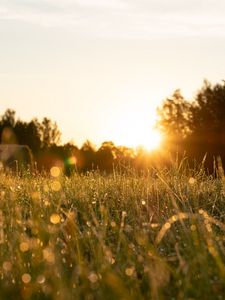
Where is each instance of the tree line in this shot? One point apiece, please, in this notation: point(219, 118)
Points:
point(43, 138)
point(194, 128)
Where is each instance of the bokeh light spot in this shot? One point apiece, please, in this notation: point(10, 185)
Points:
point(72, 160)
point(55, 171)
point(26, 278)
point(129, 271)
point(55, 219)
point(56, 186)
point(24, 247)
point(49, 255)
point(93, 277)
point(192, 181)
point(7, 266)
point(41, 279)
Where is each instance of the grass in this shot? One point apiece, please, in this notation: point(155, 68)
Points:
point(159, 235)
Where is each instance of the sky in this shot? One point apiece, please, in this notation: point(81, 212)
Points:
point(99, 68)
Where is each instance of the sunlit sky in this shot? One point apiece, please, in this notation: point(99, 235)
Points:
point(100, 67)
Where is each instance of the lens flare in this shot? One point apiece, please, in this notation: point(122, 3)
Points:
point(71, 160)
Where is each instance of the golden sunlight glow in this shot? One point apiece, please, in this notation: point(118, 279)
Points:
point(137, 129)
point(148, 139)
point(154, 140)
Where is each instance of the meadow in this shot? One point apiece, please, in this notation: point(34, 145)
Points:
point(156, 235)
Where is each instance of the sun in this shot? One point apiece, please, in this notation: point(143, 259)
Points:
point(134, 124)
point(138, 134)
point(148, 139)
point(154, 140)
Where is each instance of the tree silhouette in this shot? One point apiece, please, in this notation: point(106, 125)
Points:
point(105, 156)
point(38, 136)
point(208, 113)
point(7, 123)
point(28, 134)
point(207, 126)
point(197, 127)
point(8, 118)
point(50, 133)
point(87, 157)
point(174, 120)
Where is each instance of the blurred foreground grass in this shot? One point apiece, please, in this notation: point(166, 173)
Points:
point(160, 235)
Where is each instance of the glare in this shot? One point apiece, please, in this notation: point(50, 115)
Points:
point(136, 129)
point(154, 140)
point(148, 139)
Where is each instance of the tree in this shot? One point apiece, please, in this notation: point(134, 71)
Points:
point(174, 121)
point(8, 118)
point(50, 133)
point(86, 160)
point(7, 123)
point(105, 156)
point(198, 127)
point(208, 113)
point(207, 126)
point(28, 134)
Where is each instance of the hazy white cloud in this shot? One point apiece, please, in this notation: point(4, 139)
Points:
point(122, 18)
point(112, 4)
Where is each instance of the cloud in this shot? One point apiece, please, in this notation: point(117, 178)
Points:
point(112, 4)
point(121, 18)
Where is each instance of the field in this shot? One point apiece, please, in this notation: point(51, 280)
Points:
point(159, 235)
